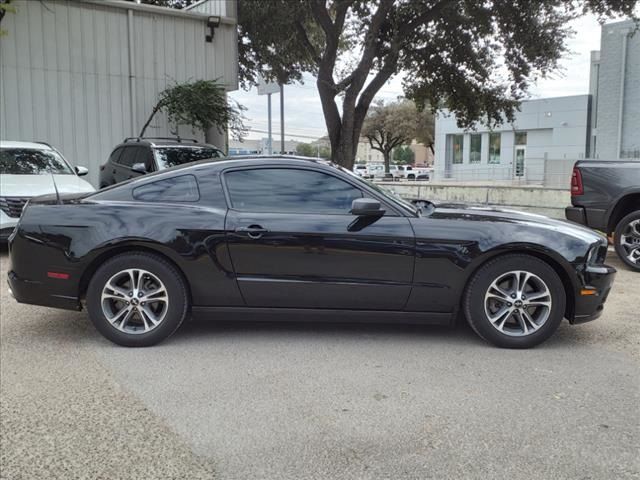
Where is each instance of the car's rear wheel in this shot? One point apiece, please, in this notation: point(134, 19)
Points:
point(137, 299)
point(627, 240)
point(515, 301)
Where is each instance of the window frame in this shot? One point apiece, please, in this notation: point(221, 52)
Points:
point(452, 137)
point(471, 136)
point(489, 161)
point(390, 210)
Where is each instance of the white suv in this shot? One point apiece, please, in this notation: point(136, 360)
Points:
point(28, 169)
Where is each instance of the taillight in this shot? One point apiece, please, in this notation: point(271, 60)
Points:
point(576, 182)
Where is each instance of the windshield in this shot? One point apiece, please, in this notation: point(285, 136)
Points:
point(25, 161)
point(172, 156)
point(389, 195)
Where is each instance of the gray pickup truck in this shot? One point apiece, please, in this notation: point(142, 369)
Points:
point(605, 195)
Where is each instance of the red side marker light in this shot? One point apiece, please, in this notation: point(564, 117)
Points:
point(58, 275)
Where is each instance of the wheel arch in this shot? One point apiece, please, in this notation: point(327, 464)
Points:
point(127, 247)
point(531, 250)
point(623, 207)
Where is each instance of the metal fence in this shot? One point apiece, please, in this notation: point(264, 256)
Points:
point(553, 173)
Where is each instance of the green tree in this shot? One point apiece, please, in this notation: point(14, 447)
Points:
point(4, 9)
point(202, 105)
point(403, 155)
point(313, 150)
point(476, 58)
point(394, 124)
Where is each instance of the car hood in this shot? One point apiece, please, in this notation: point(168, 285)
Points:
point(34, 185)
point(499, 215)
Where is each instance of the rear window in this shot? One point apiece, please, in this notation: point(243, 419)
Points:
point(177, 189)
point(25, 161)
point(172, 156)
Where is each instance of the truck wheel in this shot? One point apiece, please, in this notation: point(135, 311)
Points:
point(627, 240)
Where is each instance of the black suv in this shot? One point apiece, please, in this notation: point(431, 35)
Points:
point(137, 156)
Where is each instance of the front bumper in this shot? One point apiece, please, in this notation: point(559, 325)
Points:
point(598, 279)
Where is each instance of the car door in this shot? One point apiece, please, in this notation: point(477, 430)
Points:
point(293, 242)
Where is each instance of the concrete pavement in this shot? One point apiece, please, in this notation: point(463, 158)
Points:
point(299, 401)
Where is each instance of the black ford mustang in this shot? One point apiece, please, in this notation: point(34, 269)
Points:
point(296, 238)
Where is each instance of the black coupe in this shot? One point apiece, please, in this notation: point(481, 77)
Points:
point(292, 238)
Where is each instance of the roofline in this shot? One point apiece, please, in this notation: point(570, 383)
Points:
point(154, 9)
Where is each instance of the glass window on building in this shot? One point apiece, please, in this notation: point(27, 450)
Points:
point(455, 152)
point(521, 138)
point(476, 148)
point(494, 147)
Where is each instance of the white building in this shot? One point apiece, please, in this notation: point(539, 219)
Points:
point(261, 147)
point(614, 84)
point(366, 154)
point(84, 74)
point(547, 136)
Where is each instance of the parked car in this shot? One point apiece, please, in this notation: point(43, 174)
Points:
point(292, 238)
point(361, 170)
point(28, 169)
point(409, 172)
point(605, 195)
point(138, 156)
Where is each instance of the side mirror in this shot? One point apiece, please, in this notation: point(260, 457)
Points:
point(366, 207)
point(139, 168)
point(82, 171)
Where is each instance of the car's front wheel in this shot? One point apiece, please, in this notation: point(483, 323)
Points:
point(137, 299)
point(627, 240)
point(515, 301)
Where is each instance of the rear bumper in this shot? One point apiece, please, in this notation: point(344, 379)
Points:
point(589, 307)
point(36, 293)
point(576, 214)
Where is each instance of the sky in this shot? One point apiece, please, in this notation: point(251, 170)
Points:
point(303, 113)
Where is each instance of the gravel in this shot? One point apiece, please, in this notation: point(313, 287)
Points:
point(300, 401)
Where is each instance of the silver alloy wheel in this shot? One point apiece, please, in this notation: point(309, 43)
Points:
point(134, 301)
point(518, 303)
point(630, 241)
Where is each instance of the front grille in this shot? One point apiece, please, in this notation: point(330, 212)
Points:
point(12, 206)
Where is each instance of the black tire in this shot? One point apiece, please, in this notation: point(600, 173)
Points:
point(617, 240)
point(474, 300)
point(176, 310)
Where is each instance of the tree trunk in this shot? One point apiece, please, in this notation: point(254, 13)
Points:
point(153, 113)
point(387, 160)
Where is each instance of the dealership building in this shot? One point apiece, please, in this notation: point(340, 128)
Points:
point(548, 135)
point(84, 74)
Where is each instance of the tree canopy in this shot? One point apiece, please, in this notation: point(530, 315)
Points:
point(313, 150)
point(202, 105)
point(398, 123)
point(475, 58)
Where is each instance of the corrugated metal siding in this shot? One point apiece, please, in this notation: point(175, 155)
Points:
point(64, 73)
point(215, 7)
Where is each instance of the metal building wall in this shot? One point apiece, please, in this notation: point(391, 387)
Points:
point(65, 71)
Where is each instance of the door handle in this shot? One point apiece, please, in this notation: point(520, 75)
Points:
point(253, 231)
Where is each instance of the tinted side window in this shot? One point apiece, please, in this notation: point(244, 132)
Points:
point(128, 157)
point(177, 189)
point(289, 190)
point(145, 156)
point(115, 156)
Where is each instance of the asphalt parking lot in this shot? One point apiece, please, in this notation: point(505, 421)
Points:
point(298, 401)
